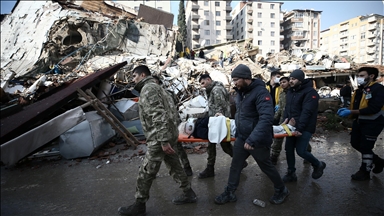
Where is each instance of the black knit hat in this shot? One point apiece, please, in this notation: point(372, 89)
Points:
point(242, 71)
point(298, 74)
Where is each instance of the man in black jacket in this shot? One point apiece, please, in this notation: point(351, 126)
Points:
point(254, 117)
point(346, 93)
point(302, 105)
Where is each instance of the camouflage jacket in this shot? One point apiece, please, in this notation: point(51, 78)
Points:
point(156, 114)
point(172, 99)
point(218, 101)
point(282, 103)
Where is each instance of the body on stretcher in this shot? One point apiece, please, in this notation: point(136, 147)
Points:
point(186, 138)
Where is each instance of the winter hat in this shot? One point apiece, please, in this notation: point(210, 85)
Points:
point(298, 74)
point(242, 71)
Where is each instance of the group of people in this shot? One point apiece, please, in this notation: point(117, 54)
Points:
point(257, 106)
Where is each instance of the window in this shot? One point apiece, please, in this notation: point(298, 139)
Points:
point(259, 15)
point(272, 24)
point(136, 8)
point(298, 25)
point(237, 17)
point(207, 32)
point(242, 37)
point(218, 13)
point(241, 13)
point(259, 5)
point(259, 42)
point(242, 30)
point(362, 36)
point(272, 43)
point(272, 15)
point(315, 24)
point(207, 42)
point(315, 42)
point(218, 41)
point(272, 6)
point(218, 32)
point(237, 33)
point(237, 25)
point(206, 13)
point(315, 34)
point(241, 21)
point(205, 3)
point(315, 15)
point(218, 23)
point(299, 15)
point(206, 22)
point(259, 24)
point(272, 51)
point(272, 34)
point(259, 33)
point(217, 4)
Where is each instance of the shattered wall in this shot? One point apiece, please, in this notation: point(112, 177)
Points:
point(39, 35)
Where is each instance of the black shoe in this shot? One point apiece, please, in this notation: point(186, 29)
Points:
point(274, 159)
point(208, 172)
point(245, 164)
point(279, 196)
point(318, 170)
point(186, 197)
point(137, 209)
point(290, 176)
point(188, 171)
point(361, 175)
point(379, 164)
point(226, 196)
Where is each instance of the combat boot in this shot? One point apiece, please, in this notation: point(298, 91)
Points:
point(290, 176)
point(379, 164)
point(318, 170)
point(274, 159)
point(136, 209)
point(361, 175)
point(227, 196)
point(208, 172)
point(187, 197)
point(279, 195)
point(188, 171)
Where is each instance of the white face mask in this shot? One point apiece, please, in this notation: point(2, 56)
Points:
point(277, 80)
point(360, 81)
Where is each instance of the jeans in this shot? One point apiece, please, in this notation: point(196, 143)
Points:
point(301, 144)
point(261, 156)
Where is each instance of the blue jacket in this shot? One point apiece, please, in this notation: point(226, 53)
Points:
point(254, 114)
point(302, 105)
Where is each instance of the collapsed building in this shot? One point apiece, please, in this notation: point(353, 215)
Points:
point(65, 72)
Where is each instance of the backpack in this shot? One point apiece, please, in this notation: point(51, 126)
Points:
point(201, 128)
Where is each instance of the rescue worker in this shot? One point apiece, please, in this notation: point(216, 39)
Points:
point(345, 94)
point(161, 132)
point(254, 117)
point(172, 99)
point(302, 105)
point(367, 110)
point(218, 102)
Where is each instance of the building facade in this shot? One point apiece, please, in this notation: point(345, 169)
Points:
point(208, 22)
point(301, 30)
point(360, 38)
point(158, 4)
point(260, 23)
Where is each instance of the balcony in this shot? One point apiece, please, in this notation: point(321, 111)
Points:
point(372, 27)
point(249, 20)
point(228, 8)
point(372, 35)
point(228, 18)
point(371, 51)
point(344, 27)
point(297, 20)
point(228, 27)
point(344, 48)
point(195, 27)
point(371, 43)
point(370, 58)
point(195, 7)
point(195, 17)
point(372, 19)
point(250, 11)
point(281, 37)
point(229, 37)
point(196, 37)
point(250, 30)
point(297, 38)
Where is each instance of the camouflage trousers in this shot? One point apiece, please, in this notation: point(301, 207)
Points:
point(151, 165)
point(277, 146)
point(211, 150)
point(183, 156)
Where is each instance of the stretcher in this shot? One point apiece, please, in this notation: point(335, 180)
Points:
point(185, 138)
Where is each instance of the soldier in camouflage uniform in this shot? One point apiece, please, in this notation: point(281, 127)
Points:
point(180, 150)
point(218, 102)
point(278, 142)
point(159, 125)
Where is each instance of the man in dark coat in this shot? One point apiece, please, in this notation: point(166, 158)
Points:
point(302, 105)
point(254, 117)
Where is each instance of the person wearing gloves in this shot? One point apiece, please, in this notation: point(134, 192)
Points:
point(302, 105)
point(253, 118)
point(367, 110)
point(274, 88)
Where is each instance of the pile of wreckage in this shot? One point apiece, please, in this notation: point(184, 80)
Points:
point(66, 75)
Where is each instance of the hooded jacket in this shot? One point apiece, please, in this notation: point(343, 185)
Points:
point(254, 114)
point(302, 105)
point(156, 114)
